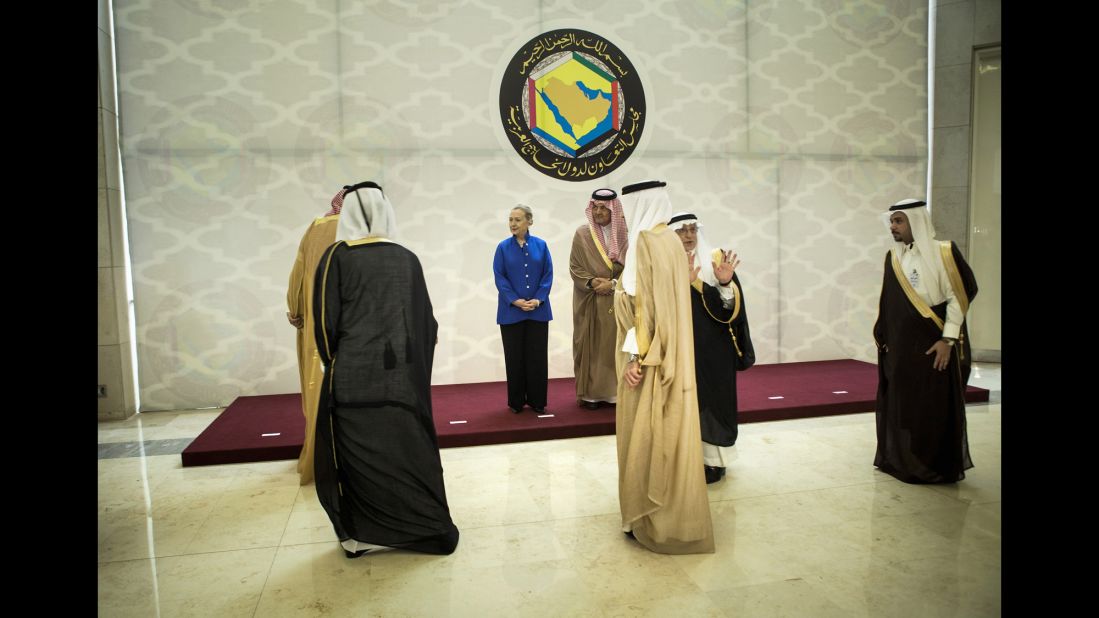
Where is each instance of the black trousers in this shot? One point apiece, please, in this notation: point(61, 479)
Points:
point(525, 359)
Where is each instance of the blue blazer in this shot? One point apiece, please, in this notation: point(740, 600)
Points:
point(526, 273)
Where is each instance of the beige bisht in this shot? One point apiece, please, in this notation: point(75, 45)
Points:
point(661, 483)
point(299, 301)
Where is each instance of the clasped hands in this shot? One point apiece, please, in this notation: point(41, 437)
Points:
point(602, 287)
point(527, 305)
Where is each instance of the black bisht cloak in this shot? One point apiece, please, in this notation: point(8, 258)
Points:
point(377, 467)
point(920, 410)
point(715, 361)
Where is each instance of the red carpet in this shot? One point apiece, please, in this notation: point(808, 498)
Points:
point(765, 393)
point(237, 434)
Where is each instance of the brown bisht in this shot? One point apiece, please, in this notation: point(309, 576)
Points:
point(377, 466)
point(593, 325)
point(920, 410)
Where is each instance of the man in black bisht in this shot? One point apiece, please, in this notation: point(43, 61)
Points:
point(923, 352)
point(377, 467)
point(717, 309)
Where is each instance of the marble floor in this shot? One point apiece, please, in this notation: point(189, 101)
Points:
point(804, 526)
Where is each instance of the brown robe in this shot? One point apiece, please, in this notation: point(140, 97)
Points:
point(593, 325)
point(299, 301)
point(661, 485)
point(920, 410)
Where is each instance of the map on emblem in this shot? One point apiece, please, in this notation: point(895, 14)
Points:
point(572, 105)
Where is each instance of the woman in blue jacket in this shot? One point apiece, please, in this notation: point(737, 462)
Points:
point(524, 275)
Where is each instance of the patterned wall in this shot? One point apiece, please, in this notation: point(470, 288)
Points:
point(787, 126)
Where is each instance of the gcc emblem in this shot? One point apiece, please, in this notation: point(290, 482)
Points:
point(572, 105)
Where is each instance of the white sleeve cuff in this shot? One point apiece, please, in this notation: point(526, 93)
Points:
point(950, 331)
point(630, 344)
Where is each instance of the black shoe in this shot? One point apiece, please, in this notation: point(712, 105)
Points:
point(355, 554)
point(515, 410)
point(713, 474)
point(541, 410)
point(591, 405)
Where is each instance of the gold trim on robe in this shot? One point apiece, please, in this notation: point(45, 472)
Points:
point(955, 277)
point(910, 292)
point(366, 241)
point(599, 248)
point(697, 284)
point(324, 293)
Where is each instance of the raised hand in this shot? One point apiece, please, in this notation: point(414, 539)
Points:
point(724, 271)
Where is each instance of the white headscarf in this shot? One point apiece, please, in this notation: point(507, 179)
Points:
point(366, 213)
point(923, 237)
point(702, 251)
point(643, 210)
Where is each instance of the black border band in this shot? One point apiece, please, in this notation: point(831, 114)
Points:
point(641, 186)
point(682, 217)
point(907, 206)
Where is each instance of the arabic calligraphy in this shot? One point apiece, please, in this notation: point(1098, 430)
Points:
point(566, 42)
point(575, 168)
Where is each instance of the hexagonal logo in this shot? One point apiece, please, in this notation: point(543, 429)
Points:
point(572, 105)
